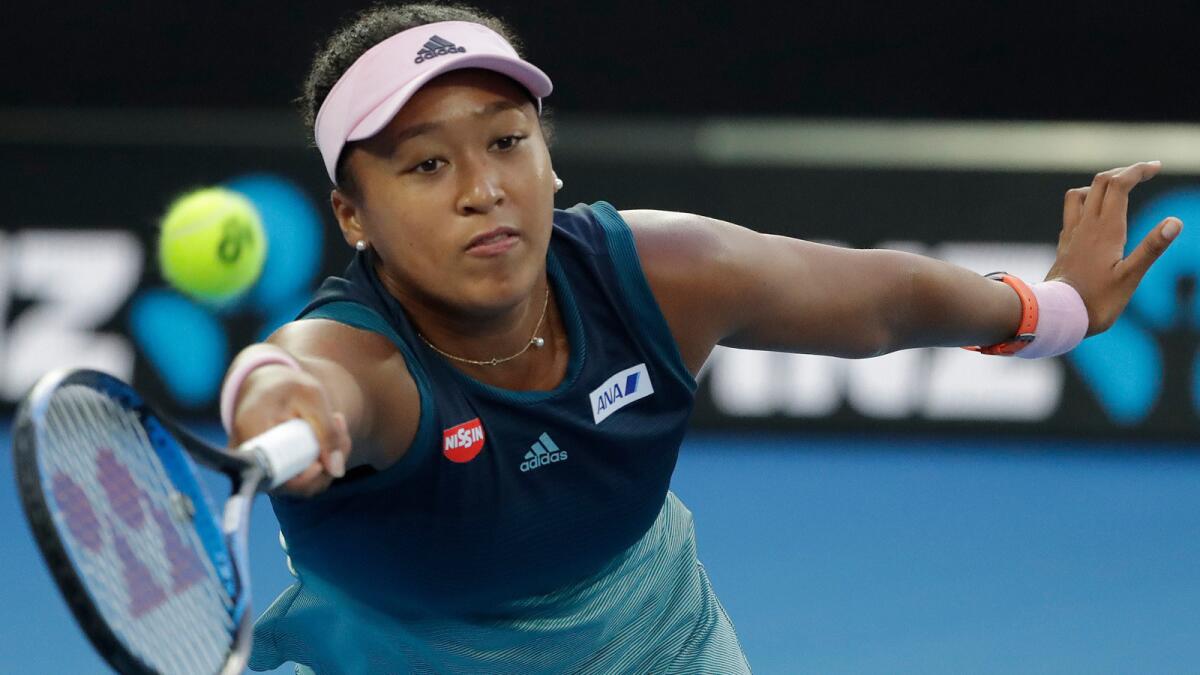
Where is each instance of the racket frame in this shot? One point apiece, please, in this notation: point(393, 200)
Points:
point(246, 472)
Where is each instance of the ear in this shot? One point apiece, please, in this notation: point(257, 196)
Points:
point(347, 213)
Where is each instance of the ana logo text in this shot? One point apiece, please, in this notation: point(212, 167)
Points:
point(619, 391)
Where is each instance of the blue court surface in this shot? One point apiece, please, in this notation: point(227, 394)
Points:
point(866, 555)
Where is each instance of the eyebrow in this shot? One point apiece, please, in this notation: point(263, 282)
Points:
point(426, 127)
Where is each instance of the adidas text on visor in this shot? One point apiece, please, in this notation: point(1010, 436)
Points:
point(370, 93)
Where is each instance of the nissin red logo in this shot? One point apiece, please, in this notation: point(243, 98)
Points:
point(463, 442)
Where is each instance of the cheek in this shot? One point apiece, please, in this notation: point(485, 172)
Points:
point(545, 168)
point(403, 235)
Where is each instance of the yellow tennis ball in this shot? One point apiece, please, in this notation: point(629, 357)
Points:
point(212, 245)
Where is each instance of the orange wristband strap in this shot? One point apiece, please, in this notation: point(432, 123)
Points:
point(1027, 331)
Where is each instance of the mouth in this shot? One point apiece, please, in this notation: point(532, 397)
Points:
point(493, 242)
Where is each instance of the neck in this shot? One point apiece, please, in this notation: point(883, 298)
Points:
point(480, 335)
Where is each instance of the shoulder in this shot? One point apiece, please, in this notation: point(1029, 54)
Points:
point(689, 262)
point(334, 340)
point(367, 356)
point(588, 228)
point(666, 240)
point(660, 239)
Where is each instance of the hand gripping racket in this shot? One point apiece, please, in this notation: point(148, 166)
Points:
point(157, 582)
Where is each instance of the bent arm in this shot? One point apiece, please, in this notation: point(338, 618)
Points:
point(718, 283)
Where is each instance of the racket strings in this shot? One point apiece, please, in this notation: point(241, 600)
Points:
point(147, 571)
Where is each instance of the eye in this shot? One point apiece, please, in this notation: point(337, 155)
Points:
point(508, 142)
point(428, 166)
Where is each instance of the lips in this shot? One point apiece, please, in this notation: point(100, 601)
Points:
point(491, 237)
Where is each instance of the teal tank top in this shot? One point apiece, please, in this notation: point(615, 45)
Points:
point(510, 509)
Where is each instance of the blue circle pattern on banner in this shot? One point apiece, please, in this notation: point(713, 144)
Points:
point(183, 340)
point(187, 342)
point(293, 235)
point(1155, 301)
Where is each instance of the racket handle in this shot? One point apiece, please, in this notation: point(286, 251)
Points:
point(284, 450)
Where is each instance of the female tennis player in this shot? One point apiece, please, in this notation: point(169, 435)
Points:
point(501, 387)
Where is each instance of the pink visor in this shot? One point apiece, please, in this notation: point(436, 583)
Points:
point(380, 82)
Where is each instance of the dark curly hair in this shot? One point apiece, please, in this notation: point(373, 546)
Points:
point(369, 28)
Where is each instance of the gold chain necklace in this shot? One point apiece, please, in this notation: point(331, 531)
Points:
point(534, 341)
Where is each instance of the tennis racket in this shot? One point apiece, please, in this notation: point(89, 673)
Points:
point(158, 582)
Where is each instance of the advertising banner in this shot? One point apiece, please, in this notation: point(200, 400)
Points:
point(80, 284)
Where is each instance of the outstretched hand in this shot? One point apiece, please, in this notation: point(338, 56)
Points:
point(1091, 248)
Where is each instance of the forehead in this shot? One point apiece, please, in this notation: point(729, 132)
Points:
point(460, 93)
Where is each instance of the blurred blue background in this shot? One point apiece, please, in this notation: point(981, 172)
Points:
point(841, 554)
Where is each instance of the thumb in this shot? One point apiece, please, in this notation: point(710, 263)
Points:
point(333, 450)
point(338, 457)
point(1151, 247)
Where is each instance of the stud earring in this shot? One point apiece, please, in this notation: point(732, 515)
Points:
point(361, 245)
point(557, 183)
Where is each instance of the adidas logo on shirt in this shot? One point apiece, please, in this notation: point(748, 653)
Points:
point(541, 453)
point(436, 47)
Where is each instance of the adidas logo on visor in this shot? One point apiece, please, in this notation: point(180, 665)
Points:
point(436, 47)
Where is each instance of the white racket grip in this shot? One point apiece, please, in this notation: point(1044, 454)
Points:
point(285, 450)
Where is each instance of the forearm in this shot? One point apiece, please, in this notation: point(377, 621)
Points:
point(341, 389)
point(856, 303)
point(941, 305)
point(338, 387)
point(770, 292)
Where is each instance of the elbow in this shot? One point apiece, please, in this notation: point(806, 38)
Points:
point(899, 324)
point(876, 343)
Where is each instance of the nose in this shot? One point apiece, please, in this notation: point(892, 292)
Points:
point(480, 188)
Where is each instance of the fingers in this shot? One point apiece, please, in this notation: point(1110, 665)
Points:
point(286, 394)
point(306, 399)
point(1115, 184)
point(1073, 209)
point(313, 480)
point(1092, 247)
point(1095, 197)
point(1116, 197)
point(1149, 250)
point(331, 434)
point(337, 458)
point(334, 438)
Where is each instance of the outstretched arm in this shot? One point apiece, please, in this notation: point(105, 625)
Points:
point(351, 385)
point(718, 283)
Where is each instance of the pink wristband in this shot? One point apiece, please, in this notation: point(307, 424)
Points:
point(235, 378)
point(1062, 321)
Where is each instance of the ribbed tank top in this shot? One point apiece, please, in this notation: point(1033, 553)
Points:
point(508, 494)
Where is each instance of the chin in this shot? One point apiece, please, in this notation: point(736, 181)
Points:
point(496, 294)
